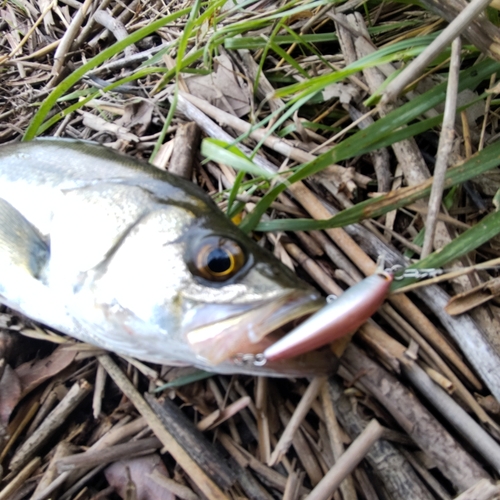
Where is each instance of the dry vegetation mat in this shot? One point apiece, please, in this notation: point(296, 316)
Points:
point(336, 133)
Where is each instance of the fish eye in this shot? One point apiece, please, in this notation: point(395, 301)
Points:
point(218, 258)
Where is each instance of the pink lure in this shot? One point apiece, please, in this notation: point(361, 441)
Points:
point(338, 318)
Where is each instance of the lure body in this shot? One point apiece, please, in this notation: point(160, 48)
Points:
point(338, 318)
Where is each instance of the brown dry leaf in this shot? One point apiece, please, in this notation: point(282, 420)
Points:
point(137, 116)
point(221, 88)
point(338, 176)
point(9, 341)
point(466, 301)
point(136, 471)
point(345, 92)
point(338, 180)
point(34, 373)
point(10, 394)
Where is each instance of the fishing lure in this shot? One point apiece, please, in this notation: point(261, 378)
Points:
point(342, 315)
point(339, 317)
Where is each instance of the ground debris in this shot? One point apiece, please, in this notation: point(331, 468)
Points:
point(269, 83)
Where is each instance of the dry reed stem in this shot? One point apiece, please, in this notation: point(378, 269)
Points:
point(477, 437)
point(18, 427)
point(416, 420)
point(100, 381)
point(67, 40)
point(20, 478)
point(205, 484)
point(444, 149)
point(347, 462)
point(261, 409)
point(26, 37)
point(468, 336)
point(53, 486)
point(300, 412)
point(277, 480)
point(292, 486)
point(93, 458)
point(334, 433)
point(439, 379)
point(399, 477)
point(482, 490)
point(225, 414)
point(50, 425)
point(63, 449)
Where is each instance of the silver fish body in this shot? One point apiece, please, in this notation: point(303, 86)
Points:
point(140, 262)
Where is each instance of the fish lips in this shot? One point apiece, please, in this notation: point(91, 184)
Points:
point(245, 327)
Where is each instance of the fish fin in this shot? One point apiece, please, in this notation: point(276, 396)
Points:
point(24, 257)
point(21, 245)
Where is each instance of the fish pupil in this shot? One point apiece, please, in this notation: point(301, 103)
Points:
point(218, 261)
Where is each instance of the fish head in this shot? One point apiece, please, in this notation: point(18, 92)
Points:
point(138, 261)
point(196, 287)
point(237, 295)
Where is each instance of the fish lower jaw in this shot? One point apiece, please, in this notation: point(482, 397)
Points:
point(248, 332)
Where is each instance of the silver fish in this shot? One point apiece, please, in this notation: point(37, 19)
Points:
point(140, 262)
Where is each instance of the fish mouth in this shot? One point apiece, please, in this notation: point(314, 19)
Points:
point(247, 331)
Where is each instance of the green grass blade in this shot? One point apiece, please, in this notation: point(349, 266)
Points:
point(141, 73)
point(289, 59)
point(103, 56)
point(234, 191)
point(485, 160)
point(222, 152)
point(257, 42)
point(415, 129)
point(263, 58)
point(368, 139)
point(400, 50)
point(186, 34)
point(318, 84)
point(185, 380)
point(96, 92)
point(166, 125)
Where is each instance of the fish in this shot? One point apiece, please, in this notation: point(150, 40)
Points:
point(116, 253)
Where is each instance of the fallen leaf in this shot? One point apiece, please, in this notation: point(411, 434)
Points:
point(34, 373)
point(137, 116)
point(136, 471)
point(346, 92)
point(9, 344)
point(10, 394)
point(222, 88)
